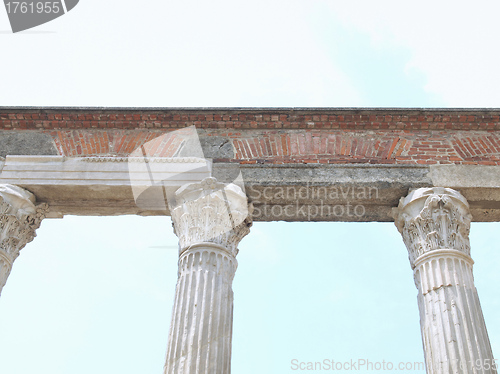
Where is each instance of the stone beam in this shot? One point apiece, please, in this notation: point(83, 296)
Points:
point(289, 192)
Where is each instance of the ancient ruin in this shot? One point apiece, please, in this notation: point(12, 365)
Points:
point(214, 171)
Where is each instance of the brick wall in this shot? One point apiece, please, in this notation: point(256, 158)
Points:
point(382, 136)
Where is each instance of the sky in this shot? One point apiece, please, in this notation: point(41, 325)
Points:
point(94, 294)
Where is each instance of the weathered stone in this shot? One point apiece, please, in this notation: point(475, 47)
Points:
point(210, 219)
point(19, 218)
point(26, 143)
point(102, 186)
point(216, 147)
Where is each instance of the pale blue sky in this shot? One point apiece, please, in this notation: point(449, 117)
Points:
point(94, 295)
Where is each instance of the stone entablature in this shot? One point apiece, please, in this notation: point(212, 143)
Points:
point(291, 192)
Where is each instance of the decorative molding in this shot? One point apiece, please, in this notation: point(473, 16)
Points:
point(430, 219)
point(211, 212)
point(146, 159)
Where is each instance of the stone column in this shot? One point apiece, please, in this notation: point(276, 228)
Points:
point(19, 218)
point(435, 223)
point(210, 219)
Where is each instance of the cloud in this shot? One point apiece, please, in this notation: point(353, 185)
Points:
point(218, 53)
point(452, 43)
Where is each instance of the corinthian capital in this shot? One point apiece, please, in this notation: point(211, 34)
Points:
point(435, 218)
point(19, 218)
point(211, 212)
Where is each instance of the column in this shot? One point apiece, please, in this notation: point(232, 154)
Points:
point(19, 218)
point(435, 223)
point(210, 219)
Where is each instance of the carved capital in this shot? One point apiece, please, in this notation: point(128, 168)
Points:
point(431, 219)
point(211, 212)
point(19, 218)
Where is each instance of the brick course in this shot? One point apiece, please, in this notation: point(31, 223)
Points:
point(379, 136)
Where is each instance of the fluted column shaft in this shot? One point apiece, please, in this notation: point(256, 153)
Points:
point(210, 220)
point(435, 225)
point(19, 218)
point(201, 332)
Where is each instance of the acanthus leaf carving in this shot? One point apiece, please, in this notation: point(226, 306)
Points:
point(211, 212)
point(435, 224)
point(430, 219)
point(19, 219)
